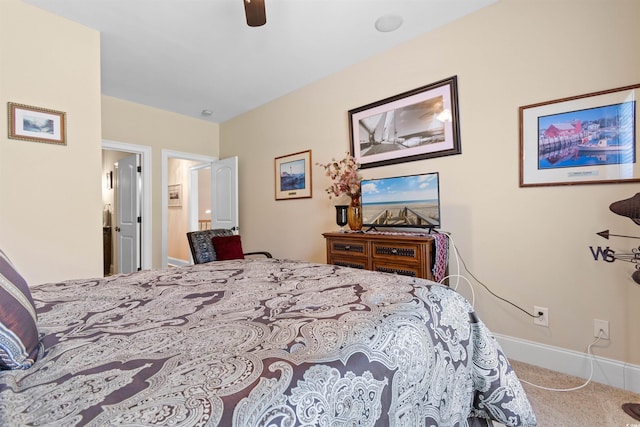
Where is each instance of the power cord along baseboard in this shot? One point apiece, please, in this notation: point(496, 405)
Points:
point(591, 357)
point(536, 314)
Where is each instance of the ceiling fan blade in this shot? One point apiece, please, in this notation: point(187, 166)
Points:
point(254, 10)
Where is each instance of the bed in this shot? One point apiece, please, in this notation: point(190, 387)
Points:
point(261, 342)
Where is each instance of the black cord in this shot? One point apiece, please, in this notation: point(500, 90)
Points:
point(485, 286)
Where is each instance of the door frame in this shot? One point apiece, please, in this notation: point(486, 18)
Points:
point(145, 209)
point(166, 155)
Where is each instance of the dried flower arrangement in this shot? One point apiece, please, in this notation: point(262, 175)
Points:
point(345, 177)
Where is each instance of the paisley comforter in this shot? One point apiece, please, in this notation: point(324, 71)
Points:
point(261, 343)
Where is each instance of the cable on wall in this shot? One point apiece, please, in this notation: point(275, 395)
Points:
point(460, 261)
point(458, 276)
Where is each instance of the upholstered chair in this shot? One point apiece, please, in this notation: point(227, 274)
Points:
point(203, 250)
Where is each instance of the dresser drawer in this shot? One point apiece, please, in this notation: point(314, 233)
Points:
point(350, 247)
point(392, 251)
point(411, 270)
point(353, 262)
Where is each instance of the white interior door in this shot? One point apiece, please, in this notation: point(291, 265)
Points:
point(128, 212)
point(224, 193)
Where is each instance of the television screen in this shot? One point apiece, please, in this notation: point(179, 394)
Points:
point(403, 201)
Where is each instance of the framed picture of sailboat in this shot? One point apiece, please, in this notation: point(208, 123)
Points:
point(585, 139)
point(419, 124)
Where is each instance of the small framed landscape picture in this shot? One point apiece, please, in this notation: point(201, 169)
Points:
point(585, 139)
point(36, 124)
point(175, 195)
point(293, 176)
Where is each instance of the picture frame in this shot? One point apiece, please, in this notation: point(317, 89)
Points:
point(584, 139)
point(419, 124)
point(110, 180)
point(174, 195)
point(29, 123)
point(293, 176)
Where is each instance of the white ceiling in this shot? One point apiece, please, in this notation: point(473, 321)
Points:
point(189, 55)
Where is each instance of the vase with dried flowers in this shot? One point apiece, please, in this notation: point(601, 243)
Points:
point(346, 181)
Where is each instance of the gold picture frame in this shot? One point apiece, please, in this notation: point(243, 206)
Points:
point(29, 123)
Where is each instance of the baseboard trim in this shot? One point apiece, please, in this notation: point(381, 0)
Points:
point(177, 262)
point(606, 371)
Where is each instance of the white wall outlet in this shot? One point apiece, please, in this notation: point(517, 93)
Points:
point(541, 316)
point(601, 327)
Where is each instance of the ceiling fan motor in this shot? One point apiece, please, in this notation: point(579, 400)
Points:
point(254, 10)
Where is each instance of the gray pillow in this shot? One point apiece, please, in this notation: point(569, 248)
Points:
point(19, 343)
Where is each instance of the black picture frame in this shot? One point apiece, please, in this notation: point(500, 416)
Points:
point(419, 124)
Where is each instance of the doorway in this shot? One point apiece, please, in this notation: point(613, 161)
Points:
point(166, 156)
point(224, 192)
point(189, 206)
point(142, 257)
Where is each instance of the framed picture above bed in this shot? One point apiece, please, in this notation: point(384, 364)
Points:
point(419, 124)
point(293, 176)
point(584, 139)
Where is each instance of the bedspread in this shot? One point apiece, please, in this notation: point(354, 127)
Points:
point(261, 343)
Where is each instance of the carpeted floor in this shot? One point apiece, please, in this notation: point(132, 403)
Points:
point(595, 405)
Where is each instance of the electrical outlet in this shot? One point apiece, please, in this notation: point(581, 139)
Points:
point(601, 325)
point(543, 313)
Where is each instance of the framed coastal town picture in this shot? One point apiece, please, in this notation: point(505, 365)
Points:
point(293, 176)
point(585, 139)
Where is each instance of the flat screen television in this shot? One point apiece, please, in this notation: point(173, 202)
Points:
point(410, 201)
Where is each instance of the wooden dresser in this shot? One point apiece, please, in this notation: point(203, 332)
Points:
point(409, 255)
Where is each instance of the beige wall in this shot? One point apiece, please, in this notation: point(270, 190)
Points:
point(204, 195)
point(132, 123)
point(529, 245)
point(50, 195)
